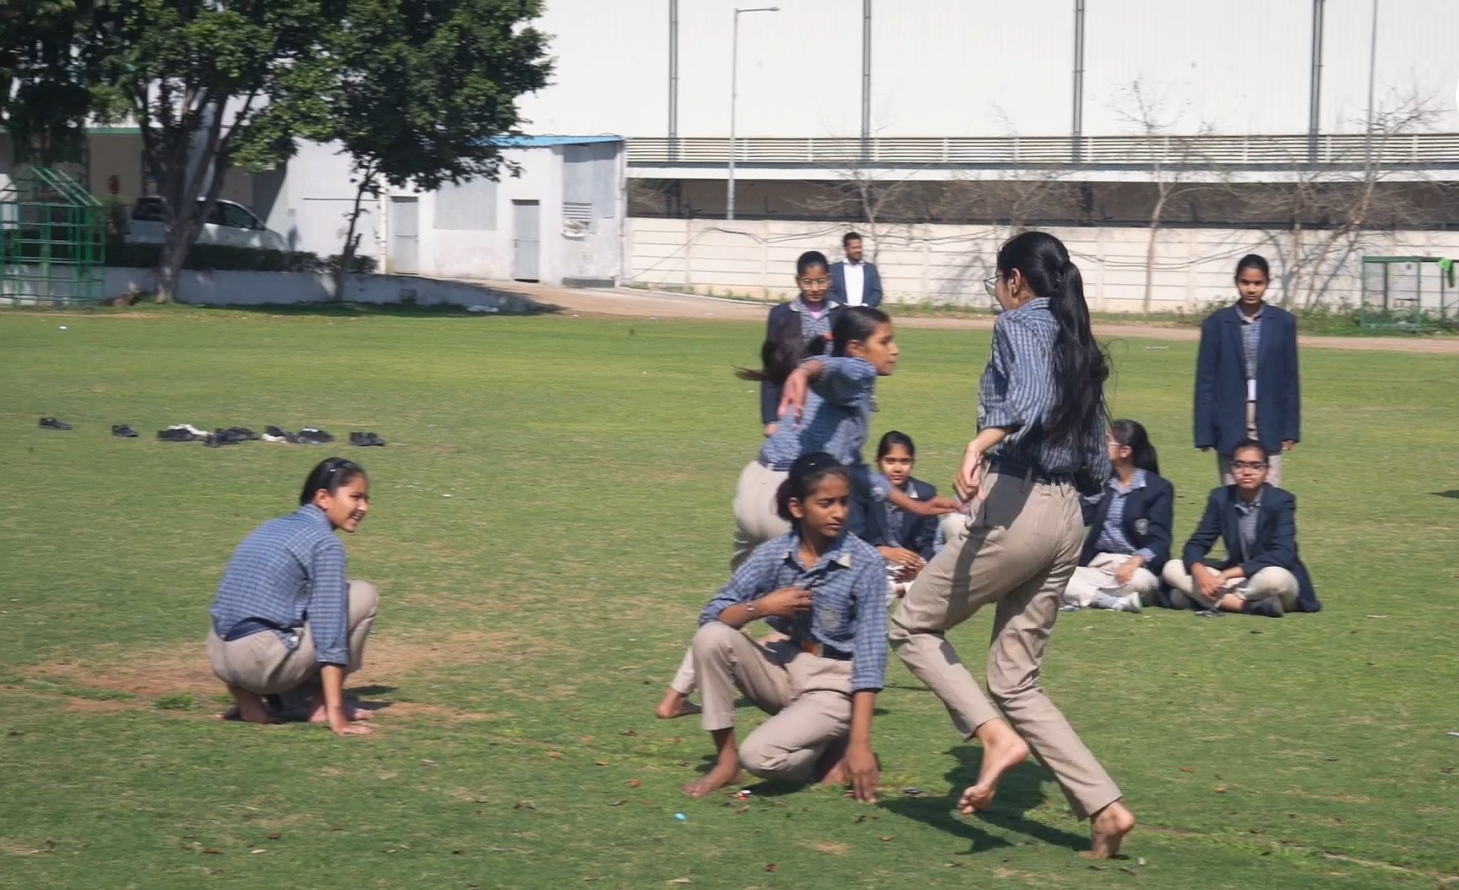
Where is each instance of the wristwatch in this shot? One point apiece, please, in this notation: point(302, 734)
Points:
point(753, 612)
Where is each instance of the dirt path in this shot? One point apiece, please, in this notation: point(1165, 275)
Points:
point(656, 304)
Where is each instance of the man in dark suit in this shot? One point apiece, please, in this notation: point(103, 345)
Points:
point(1262, 573)
point(855, 282)
point(1246, 375)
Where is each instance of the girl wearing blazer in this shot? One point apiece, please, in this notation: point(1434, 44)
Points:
point(1129, 529)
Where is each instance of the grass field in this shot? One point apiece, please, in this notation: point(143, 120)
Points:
point(531, 619)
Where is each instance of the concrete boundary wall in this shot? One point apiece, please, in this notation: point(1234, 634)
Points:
point(945, 264)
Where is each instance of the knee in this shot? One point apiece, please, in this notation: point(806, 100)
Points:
point(1175, 575)
point(766, 760)
point(1145, 581)
point(713, 639)
point(1008, 685)
point(364, 599)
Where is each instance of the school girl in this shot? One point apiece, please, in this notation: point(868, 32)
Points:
point(792, 327)
point(286, 616)
point(1129, 529)
point(822, 589)
point(903, 539)
point(1041, 436)
point(828, 403)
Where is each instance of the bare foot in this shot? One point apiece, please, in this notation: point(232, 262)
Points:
point(1003, 749)
point(675, 704)
point(352, 713)
point(831, 767)
point(248, 707)
point(713, 780)
point(1108, 828)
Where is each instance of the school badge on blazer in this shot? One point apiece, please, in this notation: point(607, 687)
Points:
point(1142, 527)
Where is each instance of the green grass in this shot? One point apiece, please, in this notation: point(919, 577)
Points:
point(530, 621)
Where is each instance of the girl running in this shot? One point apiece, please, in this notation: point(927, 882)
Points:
point(1041, 434)
point(822, 588)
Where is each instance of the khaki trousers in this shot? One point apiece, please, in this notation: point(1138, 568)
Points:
point(1274, 461)
point(755, 518)
point(1271, 581)
point(1018, 552)
point(262, 664)
point(1098, 577)
point(810, 698)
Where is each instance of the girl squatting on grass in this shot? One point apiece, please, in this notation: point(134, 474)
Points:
point(823, 590)
point(285, 616)
point(826, 406)
point(1041, 436)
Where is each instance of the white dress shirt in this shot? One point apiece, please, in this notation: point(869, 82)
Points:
point(855, 282)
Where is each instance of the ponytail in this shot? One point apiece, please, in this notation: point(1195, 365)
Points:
point(1080, 364)
point(781, 352)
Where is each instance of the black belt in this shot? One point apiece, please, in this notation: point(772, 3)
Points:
point(821, 650)
point(250, 626)
point(1005, 467)
point(777, 466)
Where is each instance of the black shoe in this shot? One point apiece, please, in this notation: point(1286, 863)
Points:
point(175, 435)
point(1210, 613)
point(311, 436)
point(366, 440)
point(243, 433)
point(357, 439)
point(51, 423)
point(123, 431)
point(1267, 608)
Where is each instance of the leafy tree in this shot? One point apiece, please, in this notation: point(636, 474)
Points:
point(45, 87)
point(423, 88)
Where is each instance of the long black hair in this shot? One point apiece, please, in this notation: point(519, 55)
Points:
point(330, 475)
point(1133, 436)
point(858, 323)
point(805, 476)
point(782, 351)
point(1080, 365)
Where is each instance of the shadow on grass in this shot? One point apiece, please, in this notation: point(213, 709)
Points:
point(389, 310)
point(1020, 791)
point(1452, 493)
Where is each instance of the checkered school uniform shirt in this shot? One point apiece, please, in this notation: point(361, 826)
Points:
point(813, 325)
point(1112, 536)
point(288, 571)
point(1017, 390)
point(836, 420)
point(1247, 515)
point(848, 600)
point(1250, 340)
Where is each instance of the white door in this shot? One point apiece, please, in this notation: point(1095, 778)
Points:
point(526, 240)
point(404, 236)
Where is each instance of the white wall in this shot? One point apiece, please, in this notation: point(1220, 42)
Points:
point(947, 264)
point(984, 68)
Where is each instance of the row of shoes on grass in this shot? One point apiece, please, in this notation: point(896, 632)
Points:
point(233, 435)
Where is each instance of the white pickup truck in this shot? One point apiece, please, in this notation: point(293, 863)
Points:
point(228, 224)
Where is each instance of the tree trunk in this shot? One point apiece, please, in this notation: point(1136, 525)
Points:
point(367, 186)
point(1150, 252)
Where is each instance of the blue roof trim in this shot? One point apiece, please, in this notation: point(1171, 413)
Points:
point(544, 141)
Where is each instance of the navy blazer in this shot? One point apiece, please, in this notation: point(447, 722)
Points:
point(870, 286)
point(915, 533)
point(1276, 538)
point(1149, 515)
point(770, 392)
point(1220, 403)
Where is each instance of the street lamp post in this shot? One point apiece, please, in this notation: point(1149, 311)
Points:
point(729, 200)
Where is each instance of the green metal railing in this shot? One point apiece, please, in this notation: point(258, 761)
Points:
point(52, 240)
point(1406, 292)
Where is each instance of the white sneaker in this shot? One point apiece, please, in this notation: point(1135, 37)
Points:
point(1130, 602)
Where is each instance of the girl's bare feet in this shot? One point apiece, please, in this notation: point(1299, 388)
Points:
point(1108, 828)
point(248, 707)
point(722, 775)
point(352, 713)
point(831, 767)
point(675, 704)
point(1003, 749)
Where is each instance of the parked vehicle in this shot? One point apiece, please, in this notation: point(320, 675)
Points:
point(228, 224)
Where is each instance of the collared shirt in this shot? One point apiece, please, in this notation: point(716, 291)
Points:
point(1112, 535)
point(855, 275)
point(836, 420)
point(288, 571)
point(1250, 341)
point(848, 588)
point(1247, 514)
point(813, 322)
point(1017, 391)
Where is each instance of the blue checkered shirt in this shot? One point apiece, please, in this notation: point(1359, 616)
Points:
point(812, 326)
point(1250, 341)
point(1017, 393)
point(836, 420)
point(1112, 536)
point(848, 600)
point(288, 571)
point(1247, 515)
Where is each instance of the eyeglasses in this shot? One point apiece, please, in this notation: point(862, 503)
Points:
point(1248, 465)
point(990, 284)
point(815, 282)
